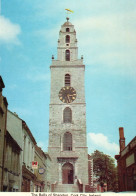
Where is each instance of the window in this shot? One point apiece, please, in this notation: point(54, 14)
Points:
point(67, 115)
point(67, 55)
point(67, 39)
point(67, 30)
point(67, 80)
point(67, 142)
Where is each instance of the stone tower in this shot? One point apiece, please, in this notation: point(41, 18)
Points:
point(67, 124)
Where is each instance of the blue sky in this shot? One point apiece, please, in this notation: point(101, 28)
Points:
point(106, 33)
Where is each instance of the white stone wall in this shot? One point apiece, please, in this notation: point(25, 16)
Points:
point(79, 153)
point(58, 81)
point(28, 150)
point(14, 127)
point(62, 45)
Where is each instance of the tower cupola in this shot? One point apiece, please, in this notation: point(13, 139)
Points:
point(67, 43)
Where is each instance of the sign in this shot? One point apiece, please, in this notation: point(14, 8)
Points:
point(41, 170)
point(34, 165)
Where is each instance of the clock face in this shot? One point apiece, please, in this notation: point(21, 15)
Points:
point(67, 94)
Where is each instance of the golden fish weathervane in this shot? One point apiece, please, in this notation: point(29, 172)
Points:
point(68, 11)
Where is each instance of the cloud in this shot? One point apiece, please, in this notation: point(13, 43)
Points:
point(8, 31)
point(98, 141)
point(107, 30)
point(106, 38)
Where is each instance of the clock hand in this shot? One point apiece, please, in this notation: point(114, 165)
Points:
point(68, 97)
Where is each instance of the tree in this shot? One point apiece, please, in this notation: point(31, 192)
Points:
point(105, 170)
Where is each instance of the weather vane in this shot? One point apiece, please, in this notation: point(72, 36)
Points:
point(69, 11)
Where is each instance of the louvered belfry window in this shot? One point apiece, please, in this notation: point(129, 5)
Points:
point(67, 80)
point(67, 55)
point(67, 115)
point(67, 39)
point(67, 142)
point(67, 30)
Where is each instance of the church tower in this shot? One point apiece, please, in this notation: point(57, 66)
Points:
point(67, 122)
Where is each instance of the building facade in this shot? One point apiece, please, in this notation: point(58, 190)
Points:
point(67, 122)
point(40, 157)
point(3, 121)
point(41, 183)
point(126, 161)
point(12, 157)
point(28, 177)
point(47, 175)
point(18, 150)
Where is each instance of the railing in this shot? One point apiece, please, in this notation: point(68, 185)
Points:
point(53, 186)
point(90, 189)
point(80, 185)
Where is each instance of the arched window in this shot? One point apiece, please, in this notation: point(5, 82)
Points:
point(67, 80)
point(67, 142)
point(67, 30)
point(67, 39)
point(67, 55)
point(67, 115)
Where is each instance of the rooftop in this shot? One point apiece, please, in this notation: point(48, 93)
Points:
point(67, 23)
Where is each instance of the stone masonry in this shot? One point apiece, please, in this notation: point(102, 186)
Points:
point(78, 156)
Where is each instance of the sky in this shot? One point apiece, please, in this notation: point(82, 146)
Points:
point(106, 31)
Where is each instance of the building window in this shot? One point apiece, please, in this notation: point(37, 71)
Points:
point(67, 142)
point(67, 115)
point(67, 39)
point(67, 80)
point(67, 55)
point(67, 30)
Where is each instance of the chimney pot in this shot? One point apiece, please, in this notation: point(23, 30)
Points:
point(122, 138)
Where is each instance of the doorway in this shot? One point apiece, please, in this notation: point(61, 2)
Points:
point(67, 173)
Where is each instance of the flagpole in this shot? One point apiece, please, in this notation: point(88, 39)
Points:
point(67, 13)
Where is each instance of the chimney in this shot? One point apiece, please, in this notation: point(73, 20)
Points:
point(122, 138)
